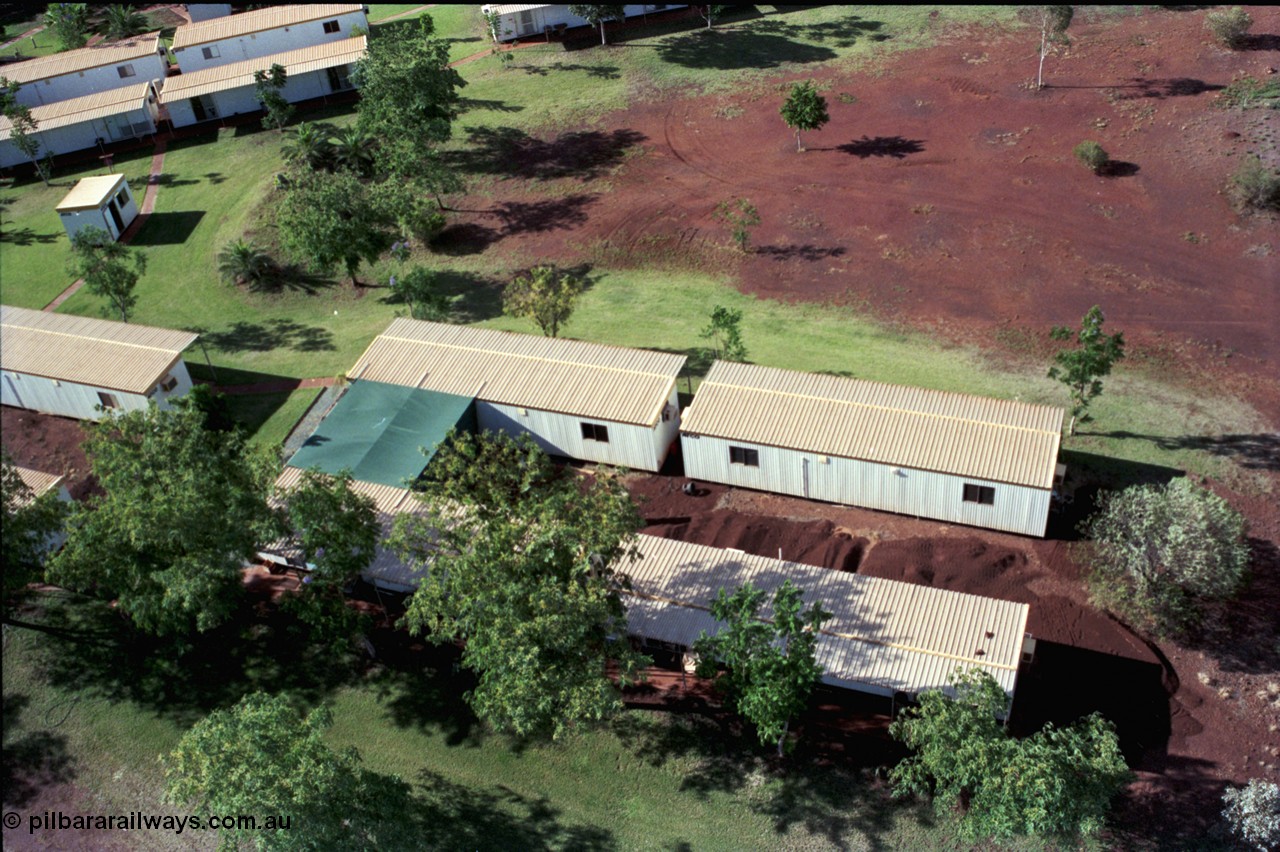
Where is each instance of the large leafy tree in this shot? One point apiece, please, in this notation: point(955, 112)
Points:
point(183, 507)
point(418, 289)
point(330, 220)
point(408, 96)
point(263, 757)
point(124, 21)
point(1053, 22)
point(110, 269)
point(29, 522)
point(1057, 783)
point(1083, 368)
point(526, 575)
point(597, 15)
point(268, 88)
point(545, 295)
point(771, 666)
point(1163, 551)
point(69, 23)
point(804, 109)
point(337, 530)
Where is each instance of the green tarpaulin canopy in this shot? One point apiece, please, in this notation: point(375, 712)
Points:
point(378, 432)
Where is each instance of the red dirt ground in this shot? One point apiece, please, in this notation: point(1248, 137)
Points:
point(946, 195)
point(47, 443)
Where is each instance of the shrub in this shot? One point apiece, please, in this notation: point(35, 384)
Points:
point(1229, 27)
point(1253, 813)
point(1254, 187)
point(1092, 155)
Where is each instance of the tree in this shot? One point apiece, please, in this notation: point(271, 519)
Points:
point(725, 329)
point(309, 144)
point(1053, 21)
point(1056, 783)
point(1253, 813)
point(488, 472)
point(531, 584)
point(267, 86)
point(1254, 186)
point(1083, 369)
point(263, 757)
point(69, 24)
point(771, 668)
point(417, 288)
point(1162, 551)
point(242, 262)
point(741, 216)
point(124, 21)
point(29, 523)
point(109, 269)
point(710, 13)
point(1229, 27)
point(545, 296)
point(327, 220)
point(408, 97)
point(804, 109)
point(183, 508)
point(352, 148)
point(22, 129)
point(337, 530)
point(597, 15)
point(1092, 155)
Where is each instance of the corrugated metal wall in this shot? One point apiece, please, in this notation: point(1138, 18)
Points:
point(66, 399)
point(636, 447)
point(926, 494)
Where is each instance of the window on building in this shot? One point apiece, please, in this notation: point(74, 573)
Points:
point(108, 400)
point(742, 455)
point(595, 432)
point(331, 26)
point(210, 52)
point(123, 198)
point(984, 494)
point(125, 70)
point(169, 383)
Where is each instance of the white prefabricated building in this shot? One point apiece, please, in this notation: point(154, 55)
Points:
point(516, 20)
point(607, 404)
point(885, 637)
point(88, 70)
point(72, 125)
point(41, 483)
point(69, 365)
point(102, 201)
point(263, 32)
point(227, 90)
point(948, 456)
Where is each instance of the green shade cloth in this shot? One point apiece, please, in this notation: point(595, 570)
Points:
point(378, 432)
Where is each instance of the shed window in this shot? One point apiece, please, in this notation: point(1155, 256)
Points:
point(123, 198)
point(169, 383)
point(742, 455)
point(595, 432)
point(331, 26)
point(125, 70)
point(984, 494)
point(210, 52)
point(108, 400)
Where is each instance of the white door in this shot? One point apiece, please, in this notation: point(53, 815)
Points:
point(526, 22)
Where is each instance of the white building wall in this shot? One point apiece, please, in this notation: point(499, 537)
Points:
point(205, 11)
point(869, 485)
point(535, 21)
point(561, 434)
point(267, 42)
point(69, 399)
point(92, 81)
point(128, 124)
point(313, 84)
point(77, 220)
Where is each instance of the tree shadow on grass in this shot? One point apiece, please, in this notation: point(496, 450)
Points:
point(468, 104)
point(598, 72)
point(269, 335)
point(464, 238)
point(25, 237)
point(168, 229)
point(882, 146)
point(739, 49)
point(510, 152)
point(33, 758)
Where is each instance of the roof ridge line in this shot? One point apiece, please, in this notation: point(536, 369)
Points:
point(533, 357)
point(104, 339)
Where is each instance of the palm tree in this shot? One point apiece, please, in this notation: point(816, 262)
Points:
point(308, 145)
point(125, 21)
point(353, 149)
point(242, 262)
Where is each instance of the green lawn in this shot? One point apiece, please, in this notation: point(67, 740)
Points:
point(42, 43)
point(461, 26)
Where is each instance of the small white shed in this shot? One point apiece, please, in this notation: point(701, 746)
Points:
point(103, 201)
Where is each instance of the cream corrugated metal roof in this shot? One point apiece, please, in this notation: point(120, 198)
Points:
point(237, 74)
point(99, 353)
point(564, 376)
point(887, 634)
point(77, 110)
point(82, 59)
point(516, 8)
point(270, 18)
point(38, 481)
point(993, 439)
point(90, 193)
